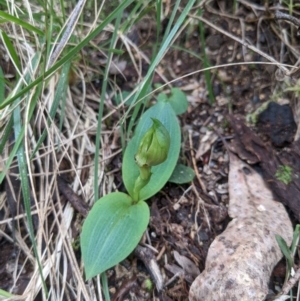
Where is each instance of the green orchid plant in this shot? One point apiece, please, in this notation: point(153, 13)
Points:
point(117, 221)
point(153, 150)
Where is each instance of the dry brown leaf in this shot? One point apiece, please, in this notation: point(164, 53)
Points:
point(250, 148)
point(206, 142)
point(187, 265)
point(240, 260)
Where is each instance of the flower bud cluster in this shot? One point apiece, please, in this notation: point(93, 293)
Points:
point(153, 150)
point(154, 146)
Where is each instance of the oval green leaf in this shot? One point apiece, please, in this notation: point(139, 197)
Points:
point(162, 172)
point(111, 231)
point(182, 174)
point(177, 100)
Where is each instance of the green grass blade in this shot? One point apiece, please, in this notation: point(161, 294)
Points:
point(285, 250)
point(19, 139)
point(5, 136)
point(138, 105)
point(63, 105)
point(49, 27)
point(144, 86)
point(206, 63)
point(105, 287)
point(168, 39)
point(172, 17)
point(22, 164)
point(11, 51)
point(188, 51)
point(5, 294)
point(102, 99)
point(69, 55)
point(62, 7)
point(141, 9)
point(2, 84)
point(9, 18)
point(11, 155)
point(60, 91)
point(158, 22)
point(295, 239)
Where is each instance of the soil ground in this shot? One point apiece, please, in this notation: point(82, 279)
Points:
point(186, 218)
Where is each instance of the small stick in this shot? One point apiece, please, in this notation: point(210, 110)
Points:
point(199, 178)
point(150, 263)
point(282, 16)
point(76, 201)
point(290, 283)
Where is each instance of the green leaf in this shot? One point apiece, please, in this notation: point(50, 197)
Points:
point(178, 101)
point(182, 174)
point(162, 97)
point(295, 241)
point(284, 174)
point(119, 98)
point(285, 251)
point(6, 294)
point(162, 172)
point(111, 231)
point(9, 18)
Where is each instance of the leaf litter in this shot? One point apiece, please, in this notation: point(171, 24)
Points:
point(250, 147)
point(241, 259)
point(247, 87)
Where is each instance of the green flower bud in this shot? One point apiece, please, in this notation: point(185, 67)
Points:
point(154, 146)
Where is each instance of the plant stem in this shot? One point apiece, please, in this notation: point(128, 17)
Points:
point(141, 181)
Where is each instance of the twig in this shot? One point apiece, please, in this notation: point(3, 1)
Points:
point(290, 283)
point(282, 16)
point(76, 200)
point(149, 261)
point(199, 178)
